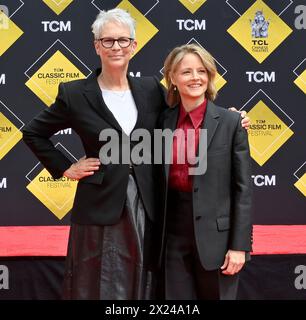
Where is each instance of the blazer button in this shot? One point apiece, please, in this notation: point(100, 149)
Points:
point(198, 218)
point(196, 189)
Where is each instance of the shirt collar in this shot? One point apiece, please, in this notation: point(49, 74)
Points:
point(196, 115)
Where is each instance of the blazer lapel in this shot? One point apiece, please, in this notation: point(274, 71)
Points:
point(170, 122)
point(140, 100)
point(210, 122)
point(93, 94)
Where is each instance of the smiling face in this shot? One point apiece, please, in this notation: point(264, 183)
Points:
point(191, 79)
point(115, 57)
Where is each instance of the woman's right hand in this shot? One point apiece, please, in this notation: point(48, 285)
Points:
point(83, 168)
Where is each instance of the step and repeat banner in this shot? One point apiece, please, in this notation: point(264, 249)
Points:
point(259, 48)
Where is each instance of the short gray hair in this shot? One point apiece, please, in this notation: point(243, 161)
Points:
point(117, 15)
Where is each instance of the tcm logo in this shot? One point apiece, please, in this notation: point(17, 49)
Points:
point(300, 20)
point(300, 280)
point(56, 26)
point(63, 132)
point(3, 183)
point(4, 277)
point(259, 76)
point(137, 74)
point(5, 129)
point(2, 78)
point(261, 181)
point(190, 25)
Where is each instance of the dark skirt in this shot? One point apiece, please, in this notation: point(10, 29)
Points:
point(110, 262)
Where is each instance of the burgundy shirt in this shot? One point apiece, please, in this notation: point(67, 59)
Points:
point(179, 179)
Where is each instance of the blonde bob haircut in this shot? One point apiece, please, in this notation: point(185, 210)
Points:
point(171, 63)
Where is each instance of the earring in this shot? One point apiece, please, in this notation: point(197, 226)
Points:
point(174, 88)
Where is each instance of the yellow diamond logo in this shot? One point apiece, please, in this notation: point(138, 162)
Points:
point(219, 81)
point(267, 132)
point(192, 5)
point(301, 184)
point(145, 30)
point(301, 81)
point(163, 82)
point(9, 32)
point(56, 195)
point(9, 135)
point(44, 83)
point(259, 30)
point(58, 6)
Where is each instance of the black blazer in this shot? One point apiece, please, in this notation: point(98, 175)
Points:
point(79, 105)
point(222, 195)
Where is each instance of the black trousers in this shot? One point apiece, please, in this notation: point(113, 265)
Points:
point(185, 277)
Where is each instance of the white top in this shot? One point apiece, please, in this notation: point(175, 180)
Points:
point(122, 105)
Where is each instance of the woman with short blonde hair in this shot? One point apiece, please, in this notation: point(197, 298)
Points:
point(173, 60)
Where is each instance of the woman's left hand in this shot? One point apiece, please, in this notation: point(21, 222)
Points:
point(233, 263)
point(245, 122)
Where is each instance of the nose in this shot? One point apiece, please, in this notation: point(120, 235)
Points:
point(116, 45)
point(195, 75)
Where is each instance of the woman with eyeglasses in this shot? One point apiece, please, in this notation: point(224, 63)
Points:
point(113, 213)
point(110, 249)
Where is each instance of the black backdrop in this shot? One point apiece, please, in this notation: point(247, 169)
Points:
point(279, 202)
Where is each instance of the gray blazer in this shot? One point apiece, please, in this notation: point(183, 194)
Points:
point(222, 195)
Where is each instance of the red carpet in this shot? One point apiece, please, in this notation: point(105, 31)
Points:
point(33, 241)
point(52, 240)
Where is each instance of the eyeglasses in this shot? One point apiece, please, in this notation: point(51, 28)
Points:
point(123, 42)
